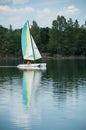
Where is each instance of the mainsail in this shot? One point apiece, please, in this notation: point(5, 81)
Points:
point(29, 48)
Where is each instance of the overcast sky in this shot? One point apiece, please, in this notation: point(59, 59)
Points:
point(17, 12)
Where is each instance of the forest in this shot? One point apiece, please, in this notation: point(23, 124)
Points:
point(65, 38)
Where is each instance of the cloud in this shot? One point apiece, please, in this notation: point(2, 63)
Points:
point(46, 11)
point(70, 10)
point(47, 15)
point(15, 16)
point(43, 13)
point(6, 9)
point(44, 17)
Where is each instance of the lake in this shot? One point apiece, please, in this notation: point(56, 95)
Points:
point(54, 99)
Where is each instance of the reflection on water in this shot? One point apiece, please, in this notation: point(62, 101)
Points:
point(31, 80)
point(21, 109)
point(39, 100)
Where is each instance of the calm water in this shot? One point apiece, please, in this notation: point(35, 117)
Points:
point(54, 99)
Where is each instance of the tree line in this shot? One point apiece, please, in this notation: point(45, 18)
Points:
point(65, 37)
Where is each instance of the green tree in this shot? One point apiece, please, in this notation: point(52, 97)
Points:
point(44, 35)
point(56, 35)
point(64, 38)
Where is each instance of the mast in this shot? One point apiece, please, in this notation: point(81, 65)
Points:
point(31, 42)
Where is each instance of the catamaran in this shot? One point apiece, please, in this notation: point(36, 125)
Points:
point(29, 50)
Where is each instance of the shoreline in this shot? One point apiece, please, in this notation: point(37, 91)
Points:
point(46, 57)
point(59, 57)
point(10, 58)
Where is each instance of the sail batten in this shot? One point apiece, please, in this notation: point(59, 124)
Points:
point(29, 48)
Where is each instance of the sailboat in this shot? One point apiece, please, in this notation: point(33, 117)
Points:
point(30, 50)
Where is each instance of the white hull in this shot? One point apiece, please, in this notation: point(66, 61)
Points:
point(38, 66)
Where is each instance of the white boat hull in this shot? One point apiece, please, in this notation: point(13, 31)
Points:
point(37, 66)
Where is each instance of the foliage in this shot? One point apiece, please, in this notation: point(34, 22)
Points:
point(64, 38)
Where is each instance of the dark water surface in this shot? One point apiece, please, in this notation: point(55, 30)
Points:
point(54, 99)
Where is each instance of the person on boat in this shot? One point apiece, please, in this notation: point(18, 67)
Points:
point(28, 62)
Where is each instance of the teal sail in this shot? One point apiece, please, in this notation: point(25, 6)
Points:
point(29, 48)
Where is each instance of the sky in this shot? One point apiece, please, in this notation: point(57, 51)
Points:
point(17, 12)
